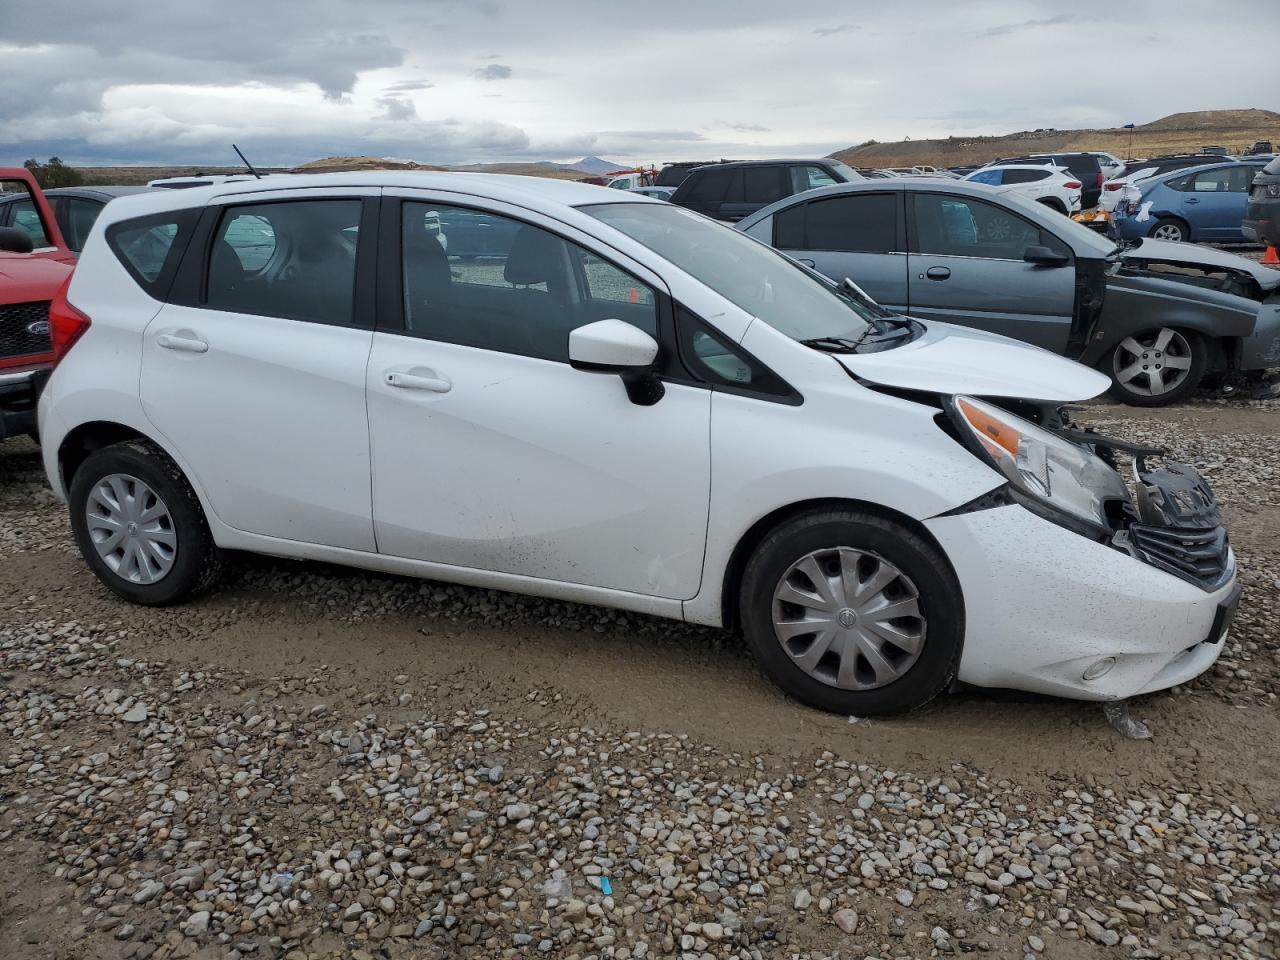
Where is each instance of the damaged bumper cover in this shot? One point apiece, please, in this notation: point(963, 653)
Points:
point(1065, 615)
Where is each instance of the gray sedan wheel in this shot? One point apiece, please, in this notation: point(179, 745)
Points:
point(1156, 367)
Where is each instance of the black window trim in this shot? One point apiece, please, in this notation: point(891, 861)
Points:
point(191, 285)
point(685, 329)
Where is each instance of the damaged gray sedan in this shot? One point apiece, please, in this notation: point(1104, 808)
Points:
point(1154, 316)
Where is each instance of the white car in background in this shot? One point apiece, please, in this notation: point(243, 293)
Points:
point(1111, 165)
point(1052, 186)
point(625, 404)
point(1117, 194)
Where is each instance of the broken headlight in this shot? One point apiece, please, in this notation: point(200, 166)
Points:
point(1058, 479)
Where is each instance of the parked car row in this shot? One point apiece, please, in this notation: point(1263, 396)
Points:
point(623, 402)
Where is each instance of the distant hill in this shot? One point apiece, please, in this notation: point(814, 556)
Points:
point(594, 165)
point(1177, 133)
point(338, 164)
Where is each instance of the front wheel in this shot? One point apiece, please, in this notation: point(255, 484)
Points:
point(140, 527)
point(853, 613)
point(1157, 367)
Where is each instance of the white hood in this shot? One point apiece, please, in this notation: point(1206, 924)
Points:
point(950, 359)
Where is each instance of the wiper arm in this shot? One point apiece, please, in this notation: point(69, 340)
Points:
point(834, 344)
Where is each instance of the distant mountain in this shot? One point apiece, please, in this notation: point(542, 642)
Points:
point(592, 165)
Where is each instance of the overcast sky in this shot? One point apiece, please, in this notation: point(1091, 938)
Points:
point(636, 80)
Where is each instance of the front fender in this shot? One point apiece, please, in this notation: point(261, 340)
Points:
point(1135, 304)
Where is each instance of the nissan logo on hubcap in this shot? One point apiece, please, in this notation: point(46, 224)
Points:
point(847, 618)
point(39, 328)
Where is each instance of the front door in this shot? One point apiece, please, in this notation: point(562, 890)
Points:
point(854, 235)
point(491, 452)
point(258, 383)
point(965, 265)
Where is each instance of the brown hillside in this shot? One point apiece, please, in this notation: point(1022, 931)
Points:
point(347, 164)
point(1178, 133)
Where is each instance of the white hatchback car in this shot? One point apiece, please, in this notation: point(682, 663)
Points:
point(613, 400)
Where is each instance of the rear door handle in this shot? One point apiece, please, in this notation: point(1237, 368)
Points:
point(1191, 200)
point(172, 341)
point(808, 263)
point(412, 381)
point(938, 273)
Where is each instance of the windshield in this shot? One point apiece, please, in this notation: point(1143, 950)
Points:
point(744, 271)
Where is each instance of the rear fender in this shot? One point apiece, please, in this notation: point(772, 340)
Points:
point(1135, 304)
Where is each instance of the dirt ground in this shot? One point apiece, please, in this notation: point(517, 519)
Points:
point(349, 638)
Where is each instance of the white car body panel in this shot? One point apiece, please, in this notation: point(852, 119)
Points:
point(516, 473)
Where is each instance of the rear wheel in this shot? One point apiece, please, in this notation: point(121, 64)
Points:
point(1157, 367)
point(1170, 228)
point(140, 527)
point(853, 613)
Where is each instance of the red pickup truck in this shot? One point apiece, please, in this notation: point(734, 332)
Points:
point(34, 263)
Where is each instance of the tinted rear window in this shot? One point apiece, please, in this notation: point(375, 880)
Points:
point(709, 187)
point(150, 247)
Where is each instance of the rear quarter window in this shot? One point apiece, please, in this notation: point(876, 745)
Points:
point(150, 247)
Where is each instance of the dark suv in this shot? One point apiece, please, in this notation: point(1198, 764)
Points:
point(731, 191)
point(1083, 166)
point(1262, 218)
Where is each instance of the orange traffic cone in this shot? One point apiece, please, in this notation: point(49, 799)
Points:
point(1270, 258)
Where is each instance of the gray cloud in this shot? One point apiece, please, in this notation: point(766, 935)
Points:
point(747, 127)
point(832, 31)
point(409, 86)
point(493, 71)
point(398, 108)
point(1008, 28)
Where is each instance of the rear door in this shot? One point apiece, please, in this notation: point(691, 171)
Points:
point(854, 235)
point(1215, 200)
point(755, 187)
point(965, 265)
point(255, 369)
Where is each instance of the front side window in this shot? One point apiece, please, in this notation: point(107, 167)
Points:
point(750, 274)
point(510, 286)
point(953, 226)
point(293, 259)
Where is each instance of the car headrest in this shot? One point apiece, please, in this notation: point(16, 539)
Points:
point(535, 256)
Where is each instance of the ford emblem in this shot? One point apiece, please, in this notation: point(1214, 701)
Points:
point(40, 328)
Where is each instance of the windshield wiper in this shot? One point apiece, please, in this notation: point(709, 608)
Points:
point(835, 344)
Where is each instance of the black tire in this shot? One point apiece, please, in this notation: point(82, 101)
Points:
point(1171, 224)
point(197, 562)
point(1114, 360)
point(939, 600)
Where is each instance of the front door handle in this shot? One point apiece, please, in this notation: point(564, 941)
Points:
point(938, 273)
point(1191, 200)
point(191, 344)
point(413, 381)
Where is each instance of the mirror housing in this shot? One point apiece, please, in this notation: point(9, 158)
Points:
point(13, 240)
point(1044, 257)
point(612, 346)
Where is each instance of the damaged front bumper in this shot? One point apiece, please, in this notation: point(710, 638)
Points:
point(1054, 612)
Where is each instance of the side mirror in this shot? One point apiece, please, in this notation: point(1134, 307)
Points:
point(13, 240)
point(612, 346)
point(1044, 257)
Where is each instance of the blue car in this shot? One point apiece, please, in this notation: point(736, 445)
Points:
point(1204, 203)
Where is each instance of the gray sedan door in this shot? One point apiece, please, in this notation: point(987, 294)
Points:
point(854, 235)
point(966, 266)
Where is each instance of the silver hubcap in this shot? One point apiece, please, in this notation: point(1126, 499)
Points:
point(1167, 231)
point(1153, 363)
point(131, 529)
point(849, 618)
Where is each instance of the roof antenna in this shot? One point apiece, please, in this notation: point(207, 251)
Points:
point(246, 162)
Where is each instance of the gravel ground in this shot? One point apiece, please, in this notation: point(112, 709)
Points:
point(314, 762)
